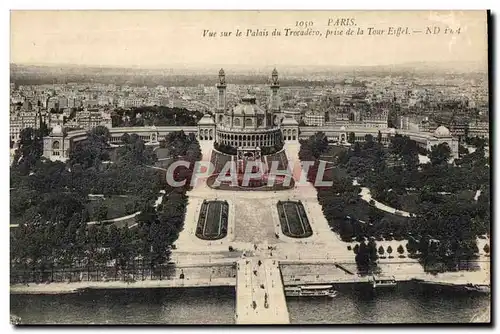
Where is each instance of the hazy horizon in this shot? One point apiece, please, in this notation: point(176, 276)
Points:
point(173, 39)
point(229, 65)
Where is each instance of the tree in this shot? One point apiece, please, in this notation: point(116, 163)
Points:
point(440, 154)
point(406, 149)
point(101, 131)
point(372, 250)
point(462, 150)
point(134, 152)
point(29, 150)
point(125, 138)
point(52, 208)
point(89, 152)
point(102, 213)
point(411, 246)
point(401, 250)
point(363, 257)
point(351, 138)
point(379, 137)
point(381, 251)
point(389, 250)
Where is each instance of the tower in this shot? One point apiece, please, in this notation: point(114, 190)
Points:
point(221, 97)
point(275, 104)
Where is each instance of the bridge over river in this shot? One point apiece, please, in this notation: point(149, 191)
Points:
point(260, 296)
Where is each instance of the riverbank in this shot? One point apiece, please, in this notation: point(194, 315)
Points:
point(292, 272)
point(75, 287)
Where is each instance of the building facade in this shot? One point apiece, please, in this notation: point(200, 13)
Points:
point(314, 119)
point(479, 129)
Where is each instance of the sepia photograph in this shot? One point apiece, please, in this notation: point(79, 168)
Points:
point(230, 167)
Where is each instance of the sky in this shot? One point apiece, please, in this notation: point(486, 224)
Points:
point(153, 39)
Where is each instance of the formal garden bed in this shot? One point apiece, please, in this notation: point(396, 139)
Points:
point(293, 219)
point(213, 220)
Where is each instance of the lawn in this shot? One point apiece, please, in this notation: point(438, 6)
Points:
point(408, 202)
point(212, 226)
point(332, 152)
point(337, 172)
point(353, 218)
point(293, 221)
point(361, 210)
point(117, 206)
point(164, 163)
point(162, 153)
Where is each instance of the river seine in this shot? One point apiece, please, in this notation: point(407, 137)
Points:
point(407, 304)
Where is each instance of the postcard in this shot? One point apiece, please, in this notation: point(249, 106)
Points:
point(249, 167)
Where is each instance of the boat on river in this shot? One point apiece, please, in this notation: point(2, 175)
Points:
point(383, 282)
point(481, 288)
point(311, 291)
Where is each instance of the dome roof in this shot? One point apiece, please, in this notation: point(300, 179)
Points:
point(442, 131)
point(57, 130)
point(206, 120)
point(248, 107)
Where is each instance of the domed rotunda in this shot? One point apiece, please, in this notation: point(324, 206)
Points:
point(442, 131)
point(246, 125)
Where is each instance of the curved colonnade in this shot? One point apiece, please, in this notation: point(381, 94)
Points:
point(56, 146)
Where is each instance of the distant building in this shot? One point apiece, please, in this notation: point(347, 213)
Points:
point(349, 116)
point(90, 118)
point(313, 119)
point(443, 135)
point(459, 130)
point(479, 129)
point(296, 114)
point(22, 119)
point(133, 102)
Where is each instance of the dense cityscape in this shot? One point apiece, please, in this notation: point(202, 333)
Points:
point(418, 102)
